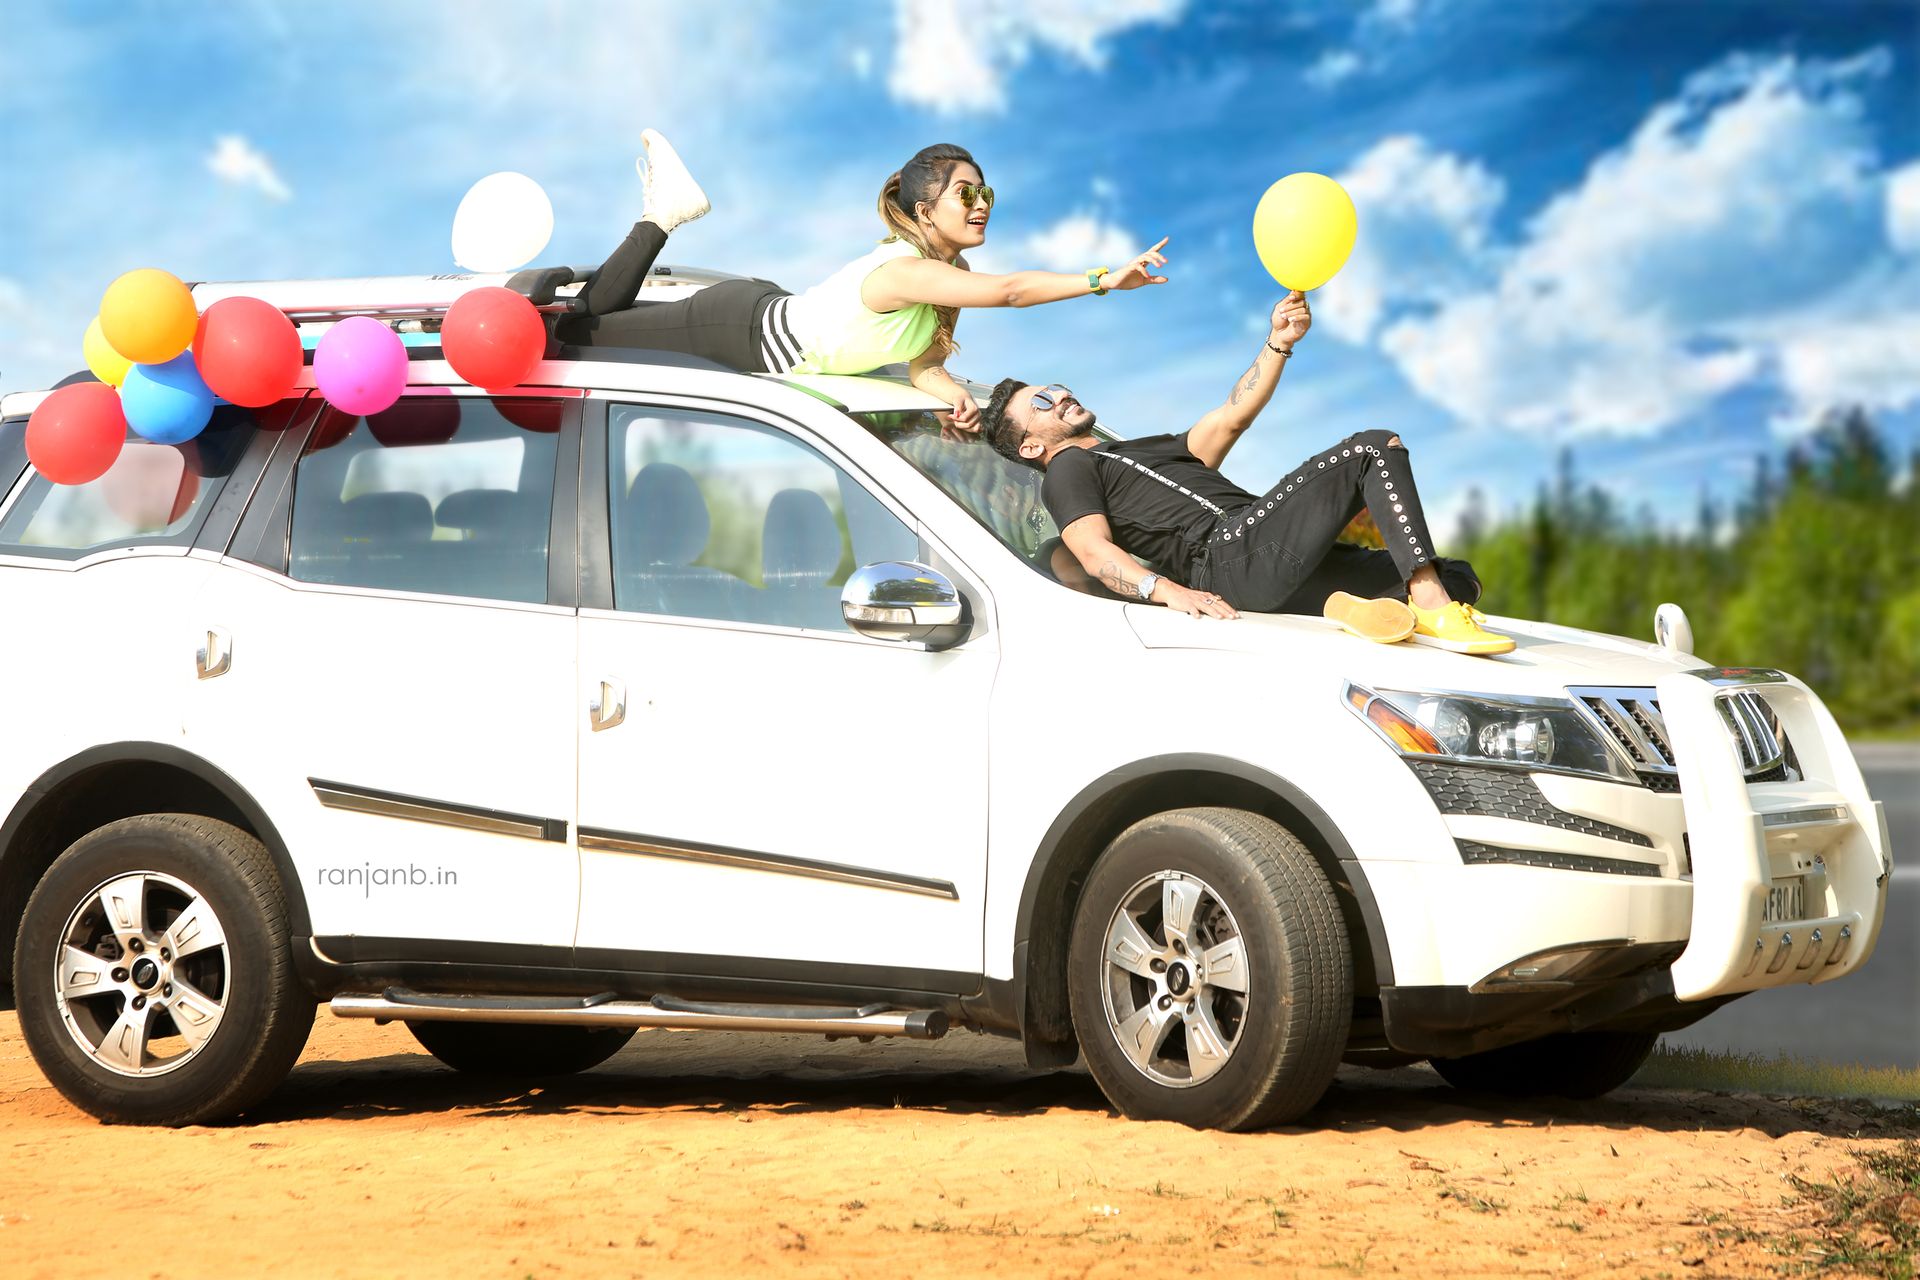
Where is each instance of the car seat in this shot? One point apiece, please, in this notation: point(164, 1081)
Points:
point(799, 554)
point(664, 525)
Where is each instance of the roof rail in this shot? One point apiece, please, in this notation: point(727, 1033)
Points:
point(425, 298)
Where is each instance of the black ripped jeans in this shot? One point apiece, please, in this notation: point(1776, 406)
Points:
point(1279, 555)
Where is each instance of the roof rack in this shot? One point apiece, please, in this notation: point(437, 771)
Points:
point(425, 299)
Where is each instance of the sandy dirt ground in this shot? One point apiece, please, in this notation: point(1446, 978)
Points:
point(718, 1155)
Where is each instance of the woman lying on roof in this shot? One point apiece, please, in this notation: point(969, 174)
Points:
point(897, 303)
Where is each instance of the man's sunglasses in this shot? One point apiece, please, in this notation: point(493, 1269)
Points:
point(1050, 395)
point(971, 195)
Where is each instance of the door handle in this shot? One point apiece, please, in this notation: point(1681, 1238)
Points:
point(609, 705)
point(216, 655)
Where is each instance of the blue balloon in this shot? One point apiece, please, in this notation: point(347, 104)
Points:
point(167, 403)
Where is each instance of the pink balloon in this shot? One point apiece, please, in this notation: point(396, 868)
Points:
point(360, 366)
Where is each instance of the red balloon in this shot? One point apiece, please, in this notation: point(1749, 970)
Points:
point(493, 337)
point(542, 416)
point(150, 485)
point(416, 420)
point(247, 351)
point(76, 433)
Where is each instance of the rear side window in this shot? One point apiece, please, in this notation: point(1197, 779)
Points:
point(442, 495)
point(13, 452)
point(154, 495)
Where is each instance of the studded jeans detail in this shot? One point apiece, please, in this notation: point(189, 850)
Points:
point(1260, 555)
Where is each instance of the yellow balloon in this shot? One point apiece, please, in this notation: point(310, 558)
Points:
point(107, 364)
point(148, 316)
point(1303, 230)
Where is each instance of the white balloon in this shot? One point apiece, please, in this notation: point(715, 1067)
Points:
point(503, 223)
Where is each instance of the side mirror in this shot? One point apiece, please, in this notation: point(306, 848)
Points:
point(900, 600)
point(1672, 630)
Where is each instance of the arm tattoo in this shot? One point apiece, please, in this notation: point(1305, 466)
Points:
point(1114, 581)
point(1243, 389)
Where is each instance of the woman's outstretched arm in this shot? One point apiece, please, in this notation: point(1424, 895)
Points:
point(905, 282)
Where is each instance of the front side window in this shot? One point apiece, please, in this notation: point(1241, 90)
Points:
point(154, 494)
point(718, 517)
point(444, 495)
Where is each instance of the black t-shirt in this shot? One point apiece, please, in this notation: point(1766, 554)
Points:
point(1162, 502)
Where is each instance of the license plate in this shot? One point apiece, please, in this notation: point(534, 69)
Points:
point(1786, 901)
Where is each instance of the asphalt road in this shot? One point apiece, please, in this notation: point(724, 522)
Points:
point(1873, 1015)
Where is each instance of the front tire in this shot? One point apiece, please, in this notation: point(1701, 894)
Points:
point(1571, 1064)
point(510, 1049)
point(154, 975)
point(1209, 972)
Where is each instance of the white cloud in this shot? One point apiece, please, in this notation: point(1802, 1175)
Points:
point(1903, 208)
point(1332, 67)
point(238, 161)
point(1425, 221)
point(39, 338)
point(1707, 252)
point(860, 58)
point(1396, 12)
point(1077, 242)
point(952, 58)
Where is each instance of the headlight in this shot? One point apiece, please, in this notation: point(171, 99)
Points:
point(1538, 733)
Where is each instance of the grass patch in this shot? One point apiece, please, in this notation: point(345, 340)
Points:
point(1678, 1068)
point(1869, 1222)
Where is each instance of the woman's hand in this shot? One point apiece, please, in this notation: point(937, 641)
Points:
point(966, 414)
point(1291, 319)
point(1139, 271)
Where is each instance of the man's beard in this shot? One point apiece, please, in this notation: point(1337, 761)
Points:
point(1085, 428)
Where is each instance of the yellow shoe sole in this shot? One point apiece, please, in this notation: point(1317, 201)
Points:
point(1478, 648)
point(1381, 621)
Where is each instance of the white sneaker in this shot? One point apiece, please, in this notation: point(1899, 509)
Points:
point(672, 197)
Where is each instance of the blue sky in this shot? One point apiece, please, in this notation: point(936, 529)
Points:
point(1664, 234)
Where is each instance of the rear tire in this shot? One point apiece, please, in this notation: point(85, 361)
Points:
point(1209, 972)
point(1572, 1064)
point(154, 975)
point(515, 1049)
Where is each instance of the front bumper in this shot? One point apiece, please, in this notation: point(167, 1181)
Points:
point(1824, 831)
point(1697, 915)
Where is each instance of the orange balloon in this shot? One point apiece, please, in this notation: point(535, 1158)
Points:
point(148, 316)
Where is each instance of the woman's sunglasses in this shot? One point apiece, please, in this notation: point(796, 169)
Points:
point(970, 195)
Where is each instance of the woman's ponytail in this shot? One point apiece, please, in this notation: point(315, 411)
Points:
point(923, 178)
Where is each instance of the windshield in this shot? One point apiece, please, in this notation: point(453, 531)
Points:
point(1001, 494)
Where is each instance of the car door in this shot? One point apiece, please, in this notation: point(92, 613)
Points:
point(765, 794)
point(391, 665)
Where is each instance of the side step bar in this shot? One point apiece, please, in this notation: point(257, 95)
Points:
point(401, 1004)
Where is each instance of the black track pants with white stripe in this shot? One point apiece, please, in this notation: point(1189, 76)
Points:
point(1268, 557)
point(721, 322)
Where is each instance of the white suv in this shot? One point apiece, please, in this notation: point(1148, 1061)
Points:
point(655, 695)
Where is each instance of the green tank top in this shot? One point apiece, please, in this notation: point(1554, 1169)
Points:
point(839, 333)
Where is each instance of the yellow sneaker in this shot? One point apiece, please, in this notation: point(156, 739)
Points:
point(1456, 627)
point(1382, 621)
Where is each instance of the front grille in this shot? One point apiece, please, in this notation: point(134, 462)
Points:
point(1496, 793)
point(1471, 851)
point(1631, 717)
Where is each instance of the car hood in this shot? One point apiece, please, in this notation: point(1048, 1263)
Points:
point(1545, 660)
